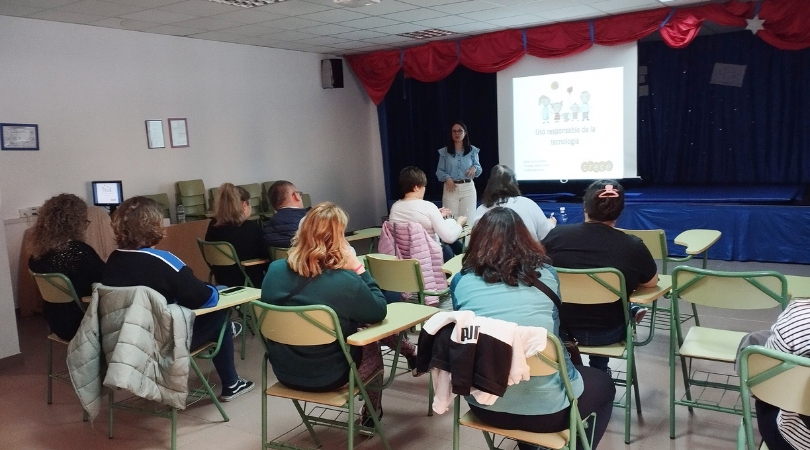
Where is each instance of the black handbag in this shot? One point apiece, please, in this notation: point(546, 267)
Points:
point(572, 346)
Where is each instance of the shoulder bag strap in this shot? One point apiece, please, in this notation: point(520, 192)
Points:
point(554, 298)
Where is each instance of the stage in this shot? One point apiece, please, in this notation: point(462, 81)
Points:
point(758, 223)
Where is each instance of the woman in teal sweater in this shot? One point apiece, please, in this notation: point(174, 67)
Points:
point(323, 262)
point(496, 281)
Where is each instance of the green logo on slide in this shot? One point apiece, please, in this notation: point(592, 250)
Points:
point(597, 166)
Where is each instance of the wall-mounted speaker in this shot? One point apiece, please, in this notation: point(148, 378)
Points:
point(332, 73)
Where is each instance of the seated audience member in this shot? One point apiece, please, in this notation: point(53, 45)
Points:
point(289, 205)
point(230, 224)
point(413, 208)
point(57, 245)
point(597, 243)
point(324, 270)
point(501, 264)
point(502, 190)
point(785, 430)
point(137, 224)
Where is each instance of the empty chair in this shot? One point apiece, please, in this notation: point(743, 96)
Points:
point(403, 275)
point(191, 194)
point(212, 197)
point(162, 200)
point(716, 289)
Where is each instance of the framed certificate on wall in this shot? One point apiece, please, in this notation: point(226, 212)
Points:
point(19, 136)
point(178, 132)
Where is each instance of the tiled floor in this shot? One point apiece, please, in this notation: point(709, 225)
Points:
point(27, 422)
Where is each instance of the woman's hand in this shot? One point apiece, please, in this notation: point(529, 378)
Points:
point(470, 172)
point(445, 212)
point(352, 262)
point(450, 185)
point(461, 220)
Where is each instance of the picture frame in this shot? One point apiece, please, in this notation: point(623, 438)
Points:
point(154, 134)
point(19, 136)
point(178, 132)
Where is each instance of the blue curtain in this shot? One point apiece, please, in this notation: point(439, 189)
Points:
point(418, 117)
point(694, 132)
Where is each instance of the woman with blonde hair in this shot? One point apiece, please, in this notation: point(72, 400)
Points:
point(322, 269)
point(57, 246)
point(230, 224)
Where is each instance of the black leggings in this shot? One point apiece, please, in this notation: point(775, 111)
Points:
point(766, 420)
point(596, 397)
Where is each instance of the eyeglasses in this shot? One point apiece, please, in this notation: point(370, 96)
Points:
point(300, 194)
point(457, 131)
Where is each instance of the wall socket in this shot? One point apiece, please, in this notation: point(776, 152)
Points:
point(31, 211)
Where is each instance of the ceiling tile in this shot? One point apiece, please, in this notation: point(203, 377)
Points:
point(173, 30)
point(351, 45)
point(17, 10)
point(322, 40)
point(490, 14)
point(252, 30)
point(292, 23)
point(261, 41)
point(328, 30)
point(430, 3)
point(415, 14)
point(200, 8)
point(290, 35)
point(98, 8)
point(400, 28)
point(123, 24)
point(293, 8)
point(208, 24)
point(144, 3)
point(622, 6)
point(158, 16)
point(472, 28)
point(361, 34)
point(42, 3)
point(249, 15)
point(293, 46)
point(387, 7)
point(523, 20)
point(464, 7)
point(442, 22)
point(570, 13)
point(370, 22)
point(65, 16)
point(334, 16)
point(218, 36)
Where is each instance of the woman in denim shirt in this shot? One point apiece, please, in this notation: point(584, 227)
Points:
point(458, 166)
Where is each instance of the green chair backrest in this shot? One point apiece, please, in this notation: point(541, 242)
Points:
point(212, 197)
point(221, 254)
point(266, 196)
point(278, 252)
point(305, 198)
point(297, 325)
point(255, 191)
point(397, 275)
point(191, 194)
point(57, 288)
point(591, 286)
point(730, 290)
point(163, 201)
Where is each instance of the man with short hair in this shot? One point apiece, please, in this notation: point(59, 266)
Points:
point(289, 205)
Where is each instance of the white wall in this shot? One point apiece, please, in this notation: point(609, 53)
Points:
point(254, 114)
point(9, 340)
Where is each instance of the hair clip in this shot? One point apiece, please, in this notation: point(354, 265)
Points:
point(608, 192)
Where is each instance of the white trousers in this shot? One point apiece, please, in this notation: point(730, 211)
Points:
point(462, 201)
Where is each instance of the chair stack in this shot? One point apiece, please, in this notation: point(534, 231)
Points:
point(191, 194)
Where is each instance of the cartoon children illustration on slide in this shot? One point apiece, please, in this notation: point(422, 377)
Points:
point(574, 111)
point(544, 102)
point(586, 108)
point(556, 107)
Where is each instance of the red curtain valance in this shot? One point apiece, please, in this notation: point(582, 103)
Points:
point(785, 27)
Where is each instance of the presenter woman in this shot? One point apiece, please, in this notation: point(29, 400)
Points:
point(458, 166)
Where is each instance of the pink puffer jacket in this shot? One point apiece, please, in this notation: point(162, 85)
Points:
point(410, 240)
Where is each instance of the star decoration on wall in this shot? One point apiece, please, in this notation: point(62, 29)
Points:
point(755, 24)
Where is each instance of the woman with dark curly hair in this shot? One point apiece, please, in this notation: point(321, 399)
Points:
point(57, 246)
point(138, 227)
point(502, 263)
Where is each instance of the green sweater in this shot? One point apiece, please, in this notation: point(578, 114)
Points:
point(356, 299)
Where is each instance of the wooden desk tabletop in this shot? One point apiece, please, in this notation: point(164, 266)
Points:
point(453, 266)
point(365, 233)
point(400, 316)
point(246, 295)
point(798, 286)
point(648, 294)
point(697, 241)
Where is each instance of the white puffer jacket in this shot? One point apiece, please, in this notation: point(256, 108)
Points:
point(410, 240)
point(145, 345)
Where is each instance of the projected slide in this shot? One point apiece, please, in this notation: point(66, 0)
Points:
point(569, 125)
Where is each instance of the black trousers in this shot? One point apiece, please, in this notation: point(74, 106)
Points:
point(596, 397)
point(766, 420)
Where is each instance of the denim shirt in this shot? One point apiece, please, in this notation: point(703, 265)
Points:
point(455, 166)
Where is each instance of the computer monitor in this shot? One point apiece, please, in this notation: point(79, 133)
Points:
point(108, 193)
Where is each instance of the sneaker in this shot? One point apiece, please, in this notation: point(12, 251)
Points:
point(639, 315)
point(236, 329)
point(242, 386)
